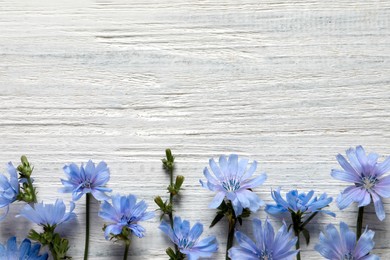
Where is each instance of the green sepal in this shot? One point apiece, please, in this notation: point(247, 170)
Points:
point(306, 234)
point(169, 161)
point(170, 253)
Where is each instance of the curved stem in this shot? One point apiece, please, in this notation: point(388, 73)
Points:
point(87, 202)
point(127, 242)
point(232, 225)
point(359, 223)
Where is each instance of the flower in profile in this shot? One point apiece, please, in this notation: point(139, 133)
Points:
point(48, 215)
point(303, 204)
point(89, 179)
point(186, 238)
point(366, 174)
point(343, 245)
point(124, 213)
point(267, 244)
point(25, 251)
point(9, 189)
point(232, 180)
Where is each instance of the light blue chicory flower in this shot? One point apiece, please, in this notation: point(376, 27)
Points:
point(124, 212)
point(267, 244)
point(186, 238)
point(24, 252)
point(88, 179)
point(232, 180)
point(9, 189)
point(343, 246)
point(366, 175)
point(299, 203)
point(48, 214)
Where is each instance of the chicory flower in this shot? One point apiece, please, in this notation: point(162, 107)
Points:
point(48, 215)
point(124, 213)
point(267, 244)
point(25, 251)
point(186, 238)
point(9, 189)
point(303, 204)
point(233, 180)
point(366, 174)
point(334, 245)
point(89, 179)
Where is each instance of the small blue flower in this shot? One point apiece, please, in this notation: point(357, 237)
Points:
point(232, 180)
point(124, 212)
point(9, 190)
point(343, 246)
point(88, 179)
point(24, 252)
point(299, 203)
point(186, 238)
point(366, 175)
point(48, 214)
point(267, 245)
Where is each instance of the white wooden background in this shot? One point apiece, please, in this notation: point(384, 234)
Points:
point(289, 84)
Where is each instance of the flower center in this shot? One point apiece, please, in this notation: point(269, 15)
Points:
point(185, 243)
point(86, 184)
point(348, 256)
point(128, 221)
point(265, 255)
point(369, 182)
point(231, 185)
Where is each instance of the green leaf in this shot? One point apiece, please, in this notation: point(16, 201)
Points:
point(217, 218)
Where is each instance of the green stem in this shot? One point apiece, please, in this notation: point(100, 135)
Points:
point(359, 223)
point(297, 245)
point(86, 247)
point(53, 252)
point(30, 185)
point(127, 242)
point(170, 215)
point(232, 225)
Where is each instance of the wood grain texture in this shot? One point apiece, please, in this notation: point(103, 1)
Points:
point(287, 83)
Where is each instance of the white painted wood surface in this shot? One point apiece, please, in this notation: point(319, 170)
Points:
point(289, 84)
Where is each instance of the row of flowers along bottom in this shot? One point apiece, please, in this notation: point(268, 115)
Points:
point(231, 179)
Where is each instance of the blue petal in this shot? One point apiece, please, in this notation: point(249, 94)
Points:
point(112, 229)
point(252, 183)
point(195, 232)
point(383, 167)
point(364, 245)
point(345, 176)
point(250, 171)
point(238, 253)
point(382, 187)
point(246, 242)
point(214, 167)
point(351, 154)
point(345, 164)
point(379, 210)
point(233, 165)
point(99, 195)
point(166, 228)
point(216, 202)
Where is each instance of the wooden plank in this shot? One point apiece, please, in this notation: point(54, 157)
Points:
point(289, 84)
